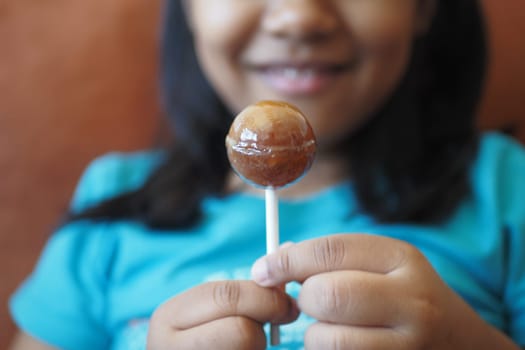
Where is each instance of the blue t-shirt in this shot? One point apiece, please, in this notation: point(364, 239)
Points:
point(96, 284)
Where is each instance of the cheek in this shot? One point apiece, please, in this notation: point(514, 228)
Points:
point(224, 24)
point(384, 40)
point(222, 29)
point(382, 25)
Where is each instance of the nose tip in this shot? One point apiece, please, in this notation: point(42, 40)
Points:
point(300, 19)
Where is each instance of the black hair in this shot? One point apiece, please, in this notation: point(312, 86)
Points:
point(410, 162)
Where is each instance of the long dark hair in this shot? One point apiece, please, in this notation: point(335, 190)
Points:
point(409, 163)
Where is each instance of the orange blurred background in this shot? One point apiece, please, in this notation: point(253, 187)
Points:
point(78, 78)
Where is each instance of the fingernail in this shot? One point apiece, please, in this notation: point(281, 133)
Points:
point(260, 271)
point(286, 245)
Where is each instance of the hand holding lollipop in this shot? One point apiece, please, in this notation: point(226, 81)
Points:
point(270, 145)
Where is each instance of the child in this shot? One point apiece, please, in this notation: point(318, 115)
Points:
point(409, 229)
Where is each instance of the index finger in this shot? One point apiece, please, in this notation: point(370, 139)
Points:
point(216, 300)
point(299, 261)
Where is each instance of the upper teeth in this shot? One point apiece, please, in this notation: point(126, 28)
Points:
point(293, 73)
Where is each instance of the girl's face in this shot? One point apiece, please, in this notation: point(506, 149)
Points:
point(337, 60)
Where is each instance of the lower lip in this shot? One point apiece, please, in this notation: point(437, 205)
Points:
point(300, 85)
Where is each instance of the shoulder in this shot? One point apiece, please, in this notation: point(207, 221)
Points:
point(497, 145)
point(500, 156)
point(112, 174)
point(498, 171)
point(78, 257)
point(83, 255)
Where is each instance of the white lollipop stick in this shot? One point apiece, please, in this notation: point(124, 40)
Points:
point(272, 221)
point(272, 242)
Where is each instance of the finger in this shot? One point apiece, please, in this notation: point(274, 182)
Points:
point(353, 298)
point(216, 300)
point(228, 333)
point(324, 336)
point(333, 253)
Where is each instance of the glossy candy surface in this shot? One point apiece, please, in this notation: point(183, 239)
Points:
point(271, 144)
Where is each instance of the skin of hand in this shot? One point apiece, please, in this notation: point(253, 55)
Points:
point(372, 292)
point(219, 315)
point(24, 341)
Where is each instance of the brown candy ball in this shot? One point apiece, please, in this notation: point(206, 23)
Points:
point(271, 144)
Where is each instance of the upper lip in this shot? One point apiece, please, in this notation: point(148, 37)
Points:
point(300, 64)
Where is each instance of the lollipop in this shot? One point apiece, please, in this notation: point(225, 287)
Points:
point(270, 145)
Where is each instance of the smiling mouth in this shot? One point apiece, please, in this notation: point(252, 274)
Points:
point(300, 79)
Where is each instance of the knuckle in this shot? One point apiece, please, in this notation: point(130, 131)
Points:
point(329, 252)
point(284, 263)
point(406, 256)
point(156, 317)
point(410, 252)
point(162, 315)
point(426, 321)
point(428, 315)
point(226, 295)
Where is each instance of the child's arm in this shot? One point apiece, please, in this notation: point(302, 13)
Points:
point(24, 341)
point(372, 292)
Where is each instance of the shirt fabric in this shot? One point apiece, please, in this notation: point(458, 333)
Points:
point(97, 283)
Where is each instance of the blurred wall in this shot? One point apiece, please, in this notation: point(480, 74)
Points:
point(504, 103)
point(78, 78)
